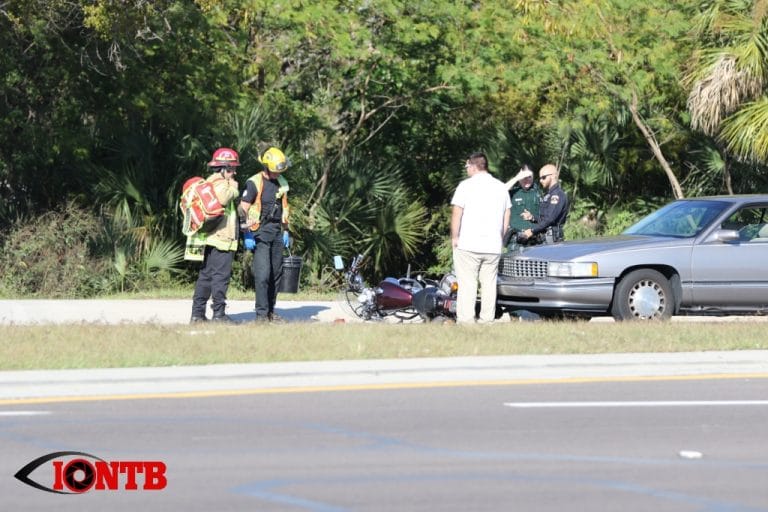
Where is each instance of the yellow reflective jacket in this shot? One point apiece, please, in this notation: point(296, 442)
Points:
point(254, 212)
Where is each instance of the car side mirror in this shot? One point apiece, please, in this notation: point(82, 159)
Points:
point(338, 263)
point(726, 235)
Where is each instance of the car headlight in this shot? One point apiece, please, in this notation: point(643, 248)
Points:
point(572, 269)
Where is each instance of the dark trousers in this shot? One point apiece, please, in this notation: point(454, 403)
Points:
point(267, 272)
point(213, 281)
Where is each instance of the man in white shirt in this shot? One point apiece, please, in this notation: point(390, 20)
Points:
point(479, 220)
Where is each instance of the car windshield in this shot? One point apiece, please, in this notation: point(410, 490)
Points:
point(680, 219)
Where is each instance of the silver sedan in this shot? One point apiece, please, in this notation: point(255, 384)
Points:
point(704, 255)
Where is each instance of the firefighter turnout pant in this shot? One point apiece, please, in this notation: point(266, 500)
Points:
point(213, 281)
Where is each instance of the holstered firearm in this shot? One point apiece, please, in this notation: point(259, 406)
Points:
point(554, 234)
point(511, 232)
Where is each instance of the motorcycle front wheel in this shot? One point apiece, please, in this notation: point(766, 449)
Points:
point(349, 301)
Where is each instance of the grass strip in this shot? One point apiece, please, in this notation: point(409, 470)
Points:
point(133, 345)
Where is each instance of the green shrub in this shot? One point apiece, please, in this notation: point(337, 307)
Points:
point(587, 220)
point(53, 256)
point(618, 221)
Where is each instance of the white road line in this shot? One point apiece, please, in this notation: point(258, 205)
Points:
point(23, 413)
point(672, 403)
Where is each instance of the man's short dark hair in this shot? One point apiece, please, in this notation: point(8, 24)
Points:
point(479, 160)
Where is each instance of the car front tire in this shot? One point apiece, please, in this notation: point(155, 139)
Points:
point(643, 294)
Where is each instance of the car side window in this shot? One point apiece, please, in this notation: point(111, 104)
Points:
point(762, 234)
point(750, 222)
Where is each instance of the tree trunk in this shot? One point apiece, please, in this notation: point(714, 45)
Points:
point(727, 175)
point(677, 190)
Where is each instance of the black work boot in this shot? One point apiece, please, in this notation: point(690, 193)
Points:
point(197, 319)
point(222, 318)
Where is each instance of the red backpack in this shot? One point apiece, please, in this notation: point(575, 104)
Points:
point(198, 204)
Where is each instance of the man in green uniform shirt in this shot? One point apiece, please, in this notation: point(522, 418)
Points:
point(524, 195)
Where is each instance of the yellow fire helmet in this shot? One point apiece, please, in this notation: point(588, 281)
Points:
point(274, 160)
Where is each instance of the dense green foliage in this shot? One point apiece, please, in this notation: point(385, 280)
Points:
point(109, 105)
point(55, 255)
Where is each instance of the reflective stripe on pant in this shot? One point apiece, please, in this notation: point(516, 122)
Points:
point(213, 281)
point(471, 266)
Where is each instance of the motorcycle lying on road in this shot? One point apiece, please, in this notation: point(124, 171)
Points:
point(403, 298)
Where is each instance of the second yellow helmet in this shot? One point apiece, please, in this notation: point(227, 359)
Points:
point(274, 160)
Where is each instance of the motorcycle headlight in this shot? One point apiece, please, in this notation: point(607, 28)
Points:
point(449, 284)
point(356, 282)
point(572, 269)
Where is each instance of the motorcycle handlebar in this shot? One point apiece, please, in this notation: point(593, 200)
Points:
point(353, 267)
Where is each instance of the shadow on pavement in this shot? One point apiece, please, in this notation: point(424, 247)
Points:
point(307, 313)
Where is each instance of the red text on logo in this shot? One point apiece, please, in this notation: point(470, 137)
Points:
point(80, 475)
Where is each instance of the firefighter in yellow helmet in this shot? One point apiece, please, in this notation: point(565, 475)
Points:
point(220, 240)
point(264, 214)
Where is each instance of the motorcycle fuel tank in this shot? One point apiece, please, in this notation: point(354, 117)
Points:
point(392, 296)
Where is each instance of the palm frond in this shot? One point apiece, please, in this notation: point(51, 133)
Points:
point(162, 255)
point(397, 232)
point(358, 174)
point(706, 169)
point(249, 131)
point(752, 59)
point(409, 222)
point(726, 87)
point(731, 66)
point(746, 132)
point(593, 154)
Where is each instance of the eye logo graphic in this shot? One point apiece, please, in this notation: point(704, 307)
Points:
point(75, 474)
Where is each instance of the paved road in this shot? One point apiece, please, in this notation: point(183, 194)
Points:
point(683, 431)
point(26, 312)
point(177, 311)
point(686, 444)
